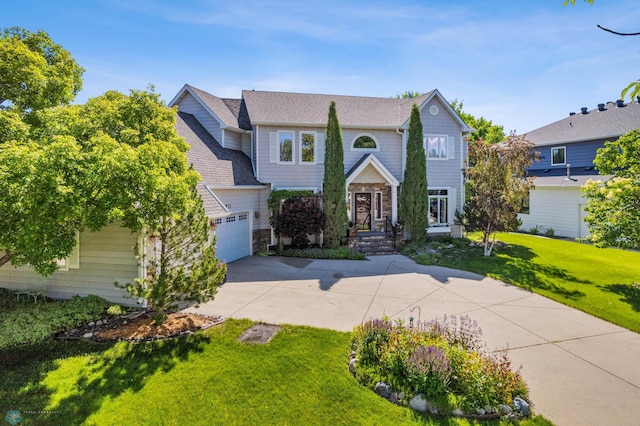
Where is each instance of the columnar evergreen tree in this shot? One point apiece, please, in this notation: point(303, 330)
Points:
point(335, 181)
point(180, 260)
point(414, 197)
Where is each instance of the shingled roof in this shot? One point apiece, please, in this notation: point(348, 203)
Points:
point(311, 109)
point(218, 166)
point(610, 123)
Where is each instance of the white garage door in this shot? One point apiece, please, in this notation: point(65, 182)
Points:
point(233, 236)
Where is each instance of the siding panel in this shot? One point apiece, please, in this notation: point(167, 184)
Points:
point(105, 257)
point(557, 208)
point(191, 106)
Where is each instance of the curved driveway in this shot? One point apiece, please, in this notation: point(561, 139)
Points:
point(580, 369)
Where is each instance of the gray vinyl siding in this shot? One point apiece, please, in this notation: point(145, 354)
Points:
point(191, 106)
point(106, 256)
point(311, 176)
point(246, 144)
point(232, 140)
point(557, 208)
point(443, 173)
point(242, 200)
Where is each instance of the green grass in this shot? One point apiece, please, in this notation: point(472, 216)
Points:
point(602, 282)
point(300, 377)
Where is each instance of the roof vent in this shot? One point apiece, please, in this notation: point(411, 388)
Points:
point(572, 114)
point(601, 107)
point(584, 110)
point(620, 103)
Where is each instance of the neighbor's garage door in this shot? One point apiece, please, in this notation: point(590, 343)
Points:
point(233, 237)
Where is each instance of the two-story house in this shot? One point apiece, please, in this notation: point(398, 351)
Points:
point(567, 149)
point(246, 147)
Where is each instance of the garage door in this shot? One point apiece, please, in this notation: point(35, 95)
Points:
point(233, 236)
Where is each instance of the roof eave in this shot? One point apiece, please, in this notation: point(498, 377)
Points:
point(589, 138)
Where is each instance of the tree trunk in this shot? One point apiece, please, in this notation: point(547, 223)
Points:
point(6, 257)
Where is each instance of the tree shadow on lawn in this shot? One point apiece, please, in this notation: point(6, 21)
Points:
point(630, 293)
point(119, 368)
point(515, 264)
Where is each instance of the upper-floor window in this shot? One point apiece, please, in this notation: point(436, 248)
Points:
point(365, 142)
point(558, 156)
point(285, 140)
point(307, 147)
point(437, 146)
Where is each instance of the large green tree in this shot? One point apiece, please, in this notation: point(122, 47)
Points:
point(334, 191)
point(414, 196)
point(613, 207)
point(633, 89)
point(484, 129)
point(498, 183)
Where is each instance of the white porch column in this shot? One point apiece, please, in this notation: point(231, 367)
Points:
point(394, 203)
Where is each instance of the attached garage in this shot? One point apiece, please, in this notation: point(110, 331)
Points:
point(233, 236)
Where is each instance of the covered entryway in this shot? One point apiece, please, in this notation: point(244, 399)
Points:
point(233, 236)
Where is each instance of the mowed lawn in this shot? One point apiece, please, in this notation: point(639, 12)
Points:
point(299, 378)
point(602, 282)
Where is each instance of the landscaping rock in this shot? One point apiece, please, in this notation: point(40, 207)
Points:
point(481, 411)
point(99, 322)
point(418, 403)
point(91, 324)
point(489, 409)
point(522, 406)
point(449, 246)
point(401, 396)
point(87, 335)
point(504, 410)
point(352, 365)
point(431, 251)
point(383, 389)
point(394, 398)
point(457, 412)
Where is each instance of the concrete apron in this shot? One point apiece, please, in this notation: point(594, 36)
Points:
point(580, 369)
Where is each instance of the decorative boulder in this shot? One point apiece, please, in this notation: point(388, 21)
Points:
point(504, 410)
point(522, 406)
point(352, 365)
point(418, 403)
point(383, 389)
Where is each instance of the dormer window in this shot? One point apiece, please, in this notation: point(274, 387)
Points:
point(364, 142)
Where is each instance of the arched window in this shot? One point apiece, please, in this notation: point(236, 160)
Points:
point(365, 142)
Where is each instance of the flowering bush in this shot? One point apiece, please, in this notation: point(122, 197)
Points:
point(444, 360)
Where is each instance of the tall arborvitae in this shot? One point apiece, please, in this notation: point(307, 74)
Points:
point(414, 197)
point(335, 195)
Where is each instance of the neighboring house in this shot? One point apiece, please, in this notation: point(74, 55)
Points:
point(264, 141)
point(567, 150)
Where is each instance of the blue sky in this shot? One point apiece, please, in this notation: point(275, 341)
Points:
point(522, 64)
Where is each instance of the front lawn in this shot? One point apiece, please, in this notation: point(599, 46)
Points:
point(602, 282)
point(300, 377)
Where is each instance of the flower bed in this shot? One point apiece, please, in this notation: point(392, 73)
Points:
point(441, 367)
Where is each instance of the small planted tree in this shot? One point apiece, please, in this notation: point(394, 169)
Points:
point(414, 197)
point(498, 183)
point(298, 218)
point(180, 261)
point(335, 193)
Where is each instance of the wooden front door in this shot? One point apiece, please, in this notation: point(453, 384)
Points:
point(363, 210)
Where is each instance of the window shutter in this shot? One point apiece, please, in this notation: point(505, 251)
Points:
point(274, 151)
point(320, 148)
point(451, 147)
point(453, 203)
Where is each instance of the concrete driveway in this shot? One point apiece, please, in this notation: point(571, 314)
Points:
point(580, 369)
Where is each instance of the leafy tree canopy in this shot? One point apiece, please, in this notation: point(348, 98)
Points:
point(35, 72)
point(497, 184)
point(485, 130)
point(613, 207)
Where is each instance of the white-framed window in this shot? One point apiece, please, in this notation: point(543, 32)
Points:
point(435, 146)
point(377, 205)
point(285, 146)
point(308, 147)
point(438, 207)
point(365, 142)
point(558, 156)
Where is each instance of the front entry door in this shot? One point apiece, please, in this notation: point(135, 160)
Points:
point(363, 210)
